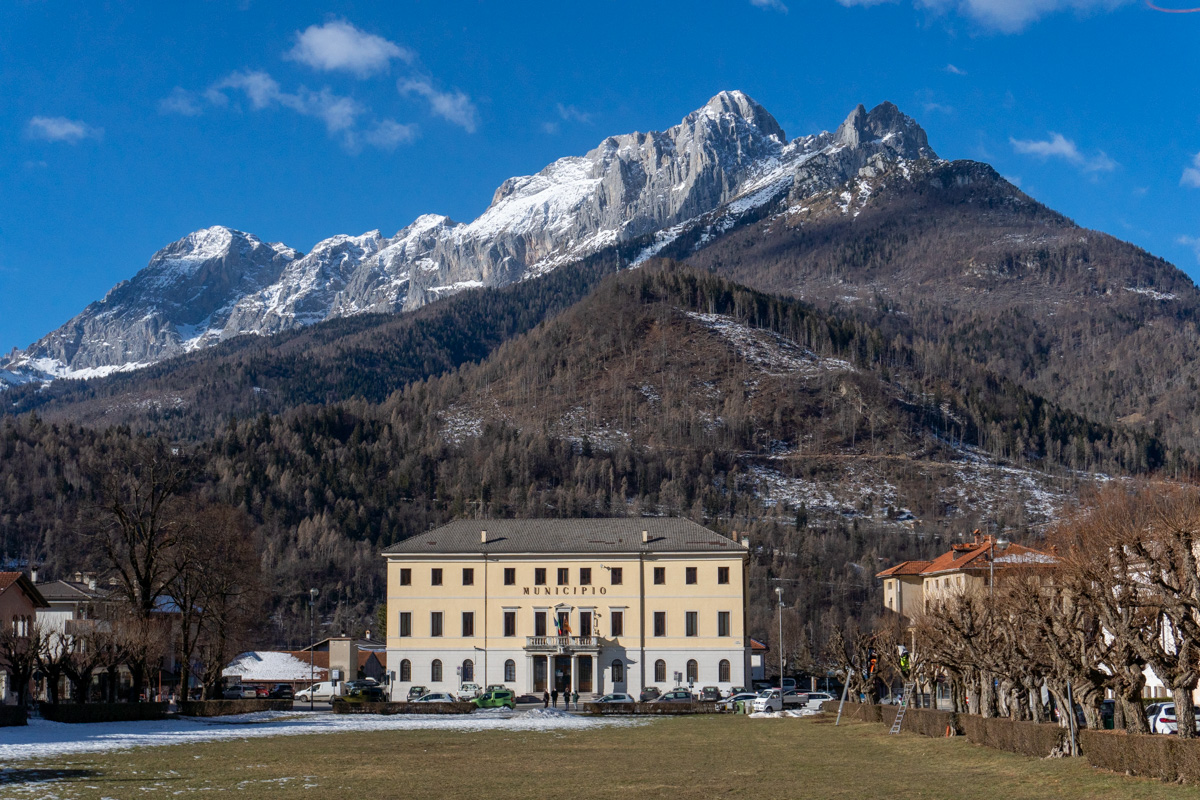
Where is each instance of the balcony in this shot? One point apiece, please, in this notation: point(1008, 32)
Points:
point(561, 644)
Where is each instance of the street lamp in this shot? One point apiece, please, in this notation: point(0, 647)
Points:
point(779, 594)
point(312, 644)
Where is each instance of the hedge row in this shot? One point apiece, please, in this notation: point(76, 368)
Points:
point(403, 708)
point(1027, 738)
point(223, 708)
point(665, 709)
point(102, 712)
point(13, 715)
point(1167, 758)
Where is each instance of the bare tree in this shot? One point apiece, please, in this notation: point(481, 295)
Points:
point(19, 648)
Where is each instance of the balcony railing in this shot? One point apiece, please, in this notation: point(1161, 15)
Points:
point(562, 643)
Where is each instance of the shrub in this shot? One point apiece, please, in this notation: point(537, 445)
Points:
point(223, 708)
point(667, 709)
point(403, 708)
point(1027, 738)
point(102, 712)
point(929, 722)
point(1167, 758)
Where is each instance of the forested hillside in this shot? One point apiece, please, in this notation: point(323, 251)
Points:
point(664, 391)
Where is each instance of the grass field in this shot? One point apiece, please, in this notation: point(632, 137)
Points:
point(683, 757)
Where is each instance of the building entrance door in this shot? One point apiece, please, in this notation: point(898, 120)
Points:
point(562, 673)
point(585, 673)
point(539, 674)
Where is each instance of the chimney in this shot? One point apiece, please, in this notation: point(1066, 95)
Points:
point(645, 537)
point(79, 577)
point(483, 537)
point(33, 575)
point(92, 583)
point(746, 542)
point(367, 635)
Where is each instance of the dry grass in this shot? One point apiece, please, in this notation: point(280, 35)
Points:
point(685, 757)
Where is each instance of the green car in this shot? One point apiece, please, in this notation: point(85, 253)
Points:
point(367, 694)
point(497, 698)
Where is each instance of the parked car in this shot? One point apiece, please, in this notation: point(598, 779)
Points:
point(675, 696)
point(262, 691)
point(497, 687)
point(416, 691)
point(709, 694)
point(1165, 722)
point(323, 691)
point(616, 697)
point(239, 691)
point(362, 683)
point(496, 698)
point(815, 699)
point(469, 691)
point(365, 694)
point(776, 700)
point(281, 691)
point(730, 703)
point(649, 693)
point(436, 697)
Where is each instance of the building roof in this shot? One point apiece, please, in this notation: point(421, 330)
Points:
point(611, 535)
point(18, 579)
point(70, 591)
point(267, 666)
point(970, 556)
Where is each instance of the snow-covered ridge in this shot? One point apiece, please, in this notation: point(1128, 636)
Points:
point(719, 163)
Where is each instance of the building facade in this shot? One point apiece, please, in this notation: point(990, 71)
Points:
point(592, 605)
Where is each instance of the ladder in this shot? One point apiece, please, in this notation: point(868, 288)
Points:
point(904, 701)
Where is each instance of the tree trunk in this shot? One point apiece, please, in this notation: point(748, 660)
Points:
point(1133, 715)
point(1185, 712)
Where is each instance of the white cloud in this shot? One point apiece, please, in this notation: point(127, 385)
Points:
point(1008, 16)
point(774, 5)
point(953, 70)
point(388, 134)
point(1192, 242)
point(338, 45)
point(573, 114)
point(931, 107)
point(550, 128)
point(1058, 146)
point(180, 101)
point(453, 106)
point(61, 129)
point(1191, 175)
point(337, 112)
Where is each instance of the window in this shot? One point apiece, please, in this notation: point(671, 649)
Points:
point(618, 671)
point(435, 576)
point(405, 671)
point(617, 575)
point(660, 671)
point(660, 623)
point(564, 576)
point(435, 623)
point(660, 575)
point(539, 623)
point(468, 671)
point(690, 623)
point(722, 574)
point(510, 623)
point(585, 623)
point(405, 576)
point(692, 669)
point(722, 623)
point(585, 576)
point(539, 576)
point(468, 623)
point(689, 575)
point(468, 576)
point(435, 671)
point(616, 623)
point(510, 671)
point(405, 623)
point(723, 671)
point(510, 576)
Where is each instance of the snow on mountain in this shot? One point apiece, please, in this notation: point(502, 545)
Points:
point(719, 163)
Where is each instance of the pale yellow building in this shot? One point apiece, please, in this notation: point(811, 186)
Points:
point(590, 605)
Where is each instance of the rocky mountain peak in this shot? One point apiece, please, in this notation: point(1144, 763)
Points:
point(742, 105)
point(887, 124)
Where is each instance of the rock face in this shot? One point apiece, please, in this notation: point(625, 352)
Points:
point(727, 158)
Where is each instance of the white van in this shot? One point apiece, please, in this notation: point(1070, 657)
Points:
point(322, 692)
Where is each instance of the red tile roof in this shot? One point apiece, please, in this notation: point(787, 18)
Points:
point(905, 568)
point(7, 579)
point(969, 556)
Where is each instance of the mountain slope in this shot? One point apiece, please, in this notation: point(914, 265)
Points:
point(730, 154)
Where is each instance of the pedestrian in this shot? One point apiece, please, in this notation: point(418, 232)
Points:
point(545, 699)
point(554, 697)
point(575, 699)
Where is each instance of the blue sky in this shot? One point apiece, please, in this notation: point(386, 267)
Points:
point(124, 125)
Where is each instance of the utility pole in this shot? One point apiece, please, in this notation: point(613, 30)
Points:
point(312, 644)
point(779, 594)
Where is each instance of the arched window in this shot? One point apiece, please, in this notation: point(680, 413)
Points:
point(692, 669)
point(618, 671)
point(435, 671)
point(405, 671)
point(660, 671)
point(510, 671)
point(723, 671)
point(468, 671)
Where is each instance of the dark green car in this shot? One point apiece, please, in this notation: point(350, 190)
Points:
point(367, 694)
point(497, 698)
